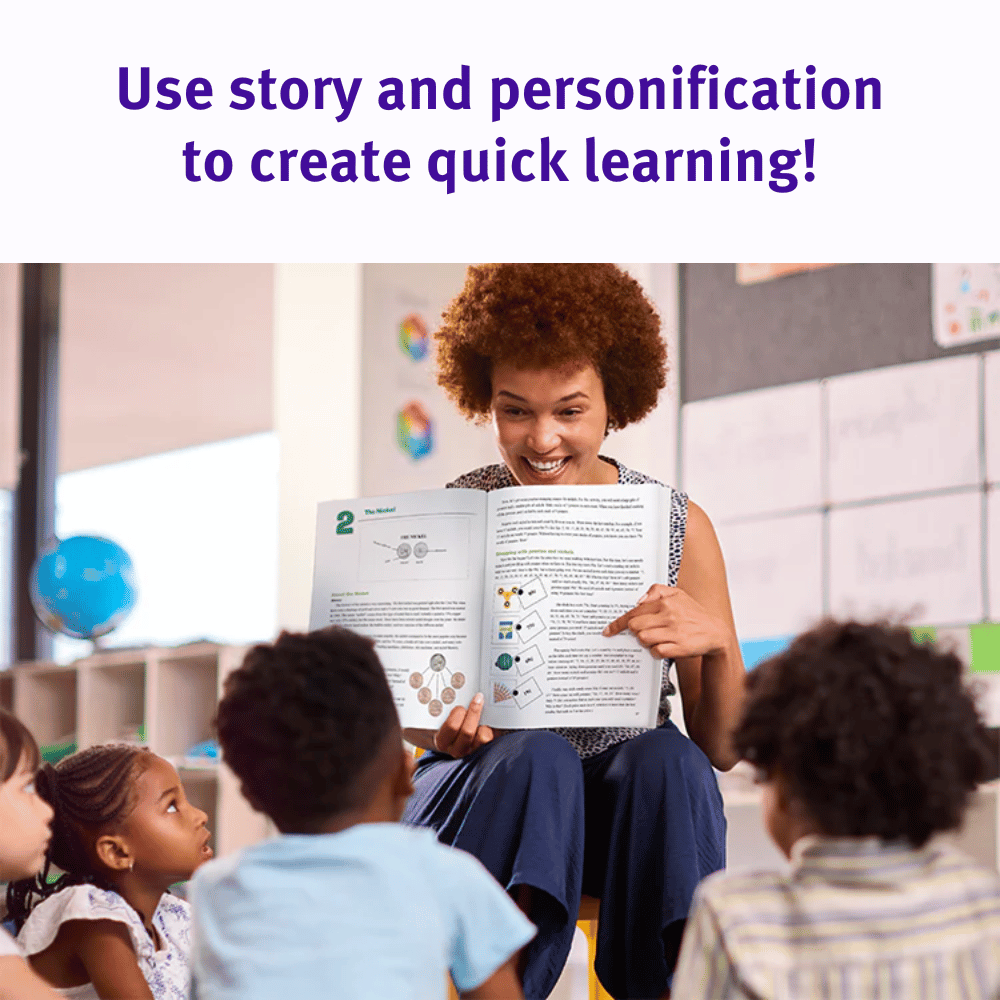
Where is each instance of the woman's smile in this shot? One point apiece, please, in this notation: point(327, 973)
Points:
point(547, 469)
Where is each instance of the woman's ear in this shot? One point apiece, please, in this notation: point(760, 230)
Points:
point(113, 853)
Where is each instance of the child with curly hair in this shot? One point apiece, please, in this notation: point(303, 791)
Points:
point(867, 744)
point(24, 836)
point(123, 832)
point(346, 902)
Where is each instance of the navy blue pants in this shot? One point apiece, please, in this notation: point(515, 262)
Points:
point(639, 826)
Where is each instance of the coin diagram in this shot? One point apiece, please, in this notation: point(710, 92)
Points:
point(436, 684)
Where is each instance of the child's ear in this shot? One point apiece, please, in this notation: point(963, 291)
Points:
point(248, 795)
point(113, 853)
point(402, 786)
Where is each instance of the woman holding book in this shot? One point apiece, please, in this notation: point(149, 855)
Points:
point(556, 356)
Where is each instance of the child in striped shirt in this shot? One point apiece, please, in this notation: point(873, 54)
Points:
point(867, 745)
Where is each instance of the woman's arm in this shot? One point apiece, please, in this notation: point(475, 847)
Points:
point(693, 624)
point(715, 680)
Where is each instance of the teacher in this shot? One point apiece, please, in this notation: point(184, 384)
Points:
point(556, 356)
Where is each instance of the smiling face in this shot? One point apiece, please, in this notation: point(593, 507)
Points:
point(24, 825)
point(165, 834)
point(550, 424)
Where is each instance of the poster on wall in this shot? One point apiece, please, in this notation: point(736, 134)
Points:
point(754, 452)
point(918, 558)
point(993, 554)
point(991, 397)
point(413, 437)
point(965, 303)
point(904, 429)
point(753, 274)
point(775, 572)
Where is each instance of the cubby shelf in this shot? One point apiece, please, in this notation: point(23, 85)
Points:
point(166, 695)
point(750, 846)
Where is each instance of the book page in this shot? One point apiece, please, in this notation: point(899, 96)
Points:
point(563, 562)
point(407, 571)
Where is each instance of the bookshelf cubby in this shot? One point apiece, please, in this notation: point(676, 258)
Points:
point(165, 695)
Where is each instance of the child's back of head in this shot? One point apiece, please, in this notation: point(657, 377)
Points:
point(309, 726)
point(872, 733)
point(361, 906)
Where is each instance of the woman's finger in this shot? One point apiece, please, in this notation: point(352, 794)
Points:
point(450, 728)
point(618, 625)
point(466, 734)
point(658, 592)
point(483, 735)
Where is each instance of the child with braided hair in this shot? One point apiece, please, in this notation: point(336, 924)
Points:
point(122, 833)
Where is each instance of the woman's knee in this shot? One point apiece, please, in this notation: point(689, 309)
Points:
point(663, 754)
point(538, 750)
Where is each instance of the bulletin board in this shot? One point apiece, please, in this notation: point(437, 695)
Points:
point(802, 326)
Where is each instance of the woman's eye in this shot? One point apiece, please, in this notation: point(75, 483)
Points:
point(30, 788)
point(172, 807)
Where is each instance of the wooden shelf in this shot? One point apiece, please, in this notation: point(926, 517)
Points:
point(169, 695)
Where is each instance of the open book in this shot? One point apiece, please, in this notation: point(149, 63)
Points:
point(505, 592)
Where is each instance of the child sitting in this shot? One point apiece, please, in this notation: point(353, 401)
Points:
point(122, 833)
point(24, 835)
point(867, 745)
point(347, 902)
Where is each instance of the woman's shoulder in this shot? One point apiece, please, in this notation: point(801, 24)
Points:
point(75, 902)
point(635, 478)
point(488, 477)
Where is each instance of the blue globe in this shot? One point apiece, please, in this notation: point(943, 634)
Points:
point(83, 586)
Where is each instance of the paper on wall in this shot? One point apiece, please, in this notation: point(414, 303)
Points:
point(754, 452)
point(775, 569)
point(991, 382)
point(993, 553)
point(918, 558)
point(965, 303)
point(904, 429)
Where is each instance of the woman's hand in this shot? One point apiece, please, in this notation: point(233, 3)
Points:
point(461, 733)
point(672, 624)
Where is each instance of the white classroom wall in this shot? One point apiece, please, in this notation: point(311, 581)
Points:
point(317, 412)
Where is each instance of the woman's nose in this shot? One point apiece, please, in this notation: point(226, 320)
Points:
point(543, 436)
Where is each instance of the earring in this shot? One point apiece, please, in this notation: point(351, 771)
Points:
point(131, 864)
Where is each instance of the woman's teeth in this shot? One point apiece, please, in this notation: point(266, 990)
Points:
point(547, 466)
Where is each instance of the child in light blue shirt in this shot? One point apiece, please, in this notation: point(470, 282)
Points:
point(346, 902)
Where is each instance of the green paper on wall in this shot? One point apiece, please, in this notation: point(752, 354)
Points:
point(985, 648)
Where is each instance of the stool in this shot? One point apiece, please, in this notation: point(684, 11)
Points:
point(586, 920)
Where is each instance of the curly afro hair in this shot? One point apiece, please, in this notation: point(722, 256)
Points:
point(873, 733)
point(302, 722)
point(548, 316)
